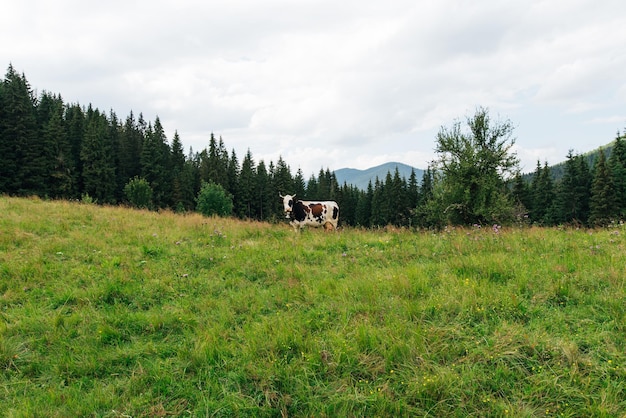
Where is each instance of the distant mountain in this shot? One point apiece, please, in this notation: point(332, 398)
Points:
point(557, 171)
point(361, 178)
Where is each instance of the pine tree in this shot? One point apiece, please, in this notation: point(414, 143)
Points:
point(61, 165)
point(98, 176)
point(22, 167)
point(312, 187)
point(299, 186)
point(603, 208)
point(521, 194)
point(182, 185)
point(364, 207)
point(155, 164)
point(617, 164)
point(542, 190)
point(75, 133)
point(412, 192)
point(380, 204)
point(129, 151)
point(262, 202)
point(572, 195)
point(283, 179)
point(246, 187)
point(232, 173)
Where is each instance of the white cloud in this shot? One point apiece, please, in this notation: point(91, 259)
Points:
point(327, 84)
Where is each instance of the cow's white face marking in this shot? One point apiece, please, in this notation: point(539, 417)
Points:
point(288, 203)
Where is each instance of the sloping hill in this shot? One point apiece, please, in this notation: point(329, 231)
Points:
point(558, 170)
point(361, 178)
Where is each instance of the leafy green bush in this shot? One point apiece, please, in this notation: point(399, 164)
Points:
point(139, 193)
point(214, 200)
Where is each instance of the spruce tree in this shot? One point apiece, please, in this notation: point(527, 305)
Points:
point(61, 166)
point(617, 165)
point(155, 164)
point(263, 201)
point(572, 196)
point(98, 175)
point(232, 173)
point(364, 207)
point(521, 195)
point(181, 185)
point(603, 207)
point(22, 169)
point(283, 179)
point(542, 190)
point(412, 191)
point(246, 187)
point(75, 132)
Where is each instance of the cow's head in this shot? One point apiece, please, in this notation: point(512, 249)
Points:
point(288, 203)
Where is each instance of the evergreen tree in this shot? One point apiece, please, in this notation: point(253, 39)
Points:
point(182, 185)
point(380, 205)
point(299, 186)
point(364, 207)
point(232, 173)
point(398, 200)
point(98, 176)
point(311, 188)
point(215, 168)
point(60, 165)
point(572, 196)
point(155, 164)
point(263, 201)
point(348, 204)
point(75, 133)
point(115, 129)
point(22, 166)
point(423, 213)
point(246, 188)
point(603, 207)
point(283, 179)
point(521, 195)
point(131, 139)
point(412, 192)
point(617, 165)
point(542, 189)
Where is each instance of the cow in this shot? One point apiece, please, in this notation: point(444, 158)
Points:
point(302, 212)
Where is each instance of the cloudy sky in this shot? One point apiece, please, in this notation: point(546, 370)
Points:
point(334, 84)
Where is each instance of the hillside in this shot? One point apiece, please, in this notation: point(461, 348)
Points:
point(107, 311)
point(558, 170)
point(361, 178)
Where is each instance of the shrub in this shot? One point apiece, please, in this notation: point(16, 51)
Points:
point(139, 193)
point(214, 200)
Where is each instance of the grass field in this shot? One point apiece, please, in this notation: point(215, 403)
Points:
point(112, 312)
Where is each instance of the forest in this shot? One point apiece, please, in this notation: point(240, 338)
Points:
point(58, 150)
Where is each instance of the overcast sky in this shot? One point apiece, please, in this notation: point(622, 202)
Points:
point(334, 84)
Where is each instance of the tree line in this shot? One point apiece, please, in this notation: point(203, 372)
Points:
point(59, 150)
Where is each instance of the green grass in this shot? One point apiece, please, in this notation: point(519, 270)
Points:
point(111, 312)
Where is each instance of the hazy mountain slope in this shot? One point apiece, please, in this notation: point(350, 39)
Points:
point(361, 178)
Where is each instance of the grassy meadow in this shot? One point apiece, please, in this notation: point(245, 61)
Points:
point(112, 312)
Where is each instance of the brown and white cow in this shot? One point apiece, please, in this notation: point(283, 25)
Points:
point(303, 212)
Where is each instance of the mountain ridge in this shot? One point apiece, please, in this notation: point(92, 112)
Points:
point(361, 178)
